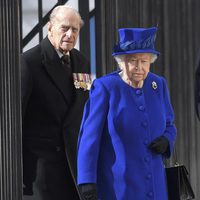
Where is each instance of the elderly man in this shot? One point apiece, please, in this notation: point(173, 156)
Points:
point(55, 83)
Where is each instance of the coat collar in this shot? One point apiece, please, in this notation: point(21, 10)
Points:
point(53, 66)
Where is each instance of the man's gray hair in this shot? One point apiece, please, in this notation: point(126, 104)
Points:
point(56, 10)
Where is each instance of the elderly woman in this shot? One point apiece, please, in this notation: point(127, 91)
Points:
point(127, 128)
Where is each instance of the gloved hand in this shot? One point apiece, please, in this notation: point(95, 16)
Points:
point(160, 145)
point(88, 191)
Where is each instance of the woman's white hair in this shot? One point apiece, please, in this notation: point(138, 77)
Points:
point(57, 9)
point(121, 58)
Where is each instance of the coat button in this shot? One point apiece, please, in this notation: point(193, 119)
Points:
point(141, 108)
point(144, 124)
point(138, 92)
point(150, 194)
point(149, 176)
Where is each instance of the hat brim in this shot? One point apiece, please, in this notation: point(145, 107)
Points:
point(136, 51)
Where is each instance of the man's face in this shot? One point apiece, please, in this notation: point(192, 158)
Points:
point(64, 30)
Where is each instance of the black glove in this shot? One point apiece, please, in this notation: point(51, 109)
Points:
point(160, 145)
point(88, 191)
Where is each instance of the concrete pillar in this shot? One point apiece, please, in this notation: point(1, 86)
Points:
point(10, 106)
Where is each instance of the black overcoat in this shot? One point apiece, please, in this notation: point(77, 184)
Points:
point(52, 111)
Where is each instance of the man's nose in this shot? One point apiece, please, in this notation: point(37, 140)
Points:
point(69, 33)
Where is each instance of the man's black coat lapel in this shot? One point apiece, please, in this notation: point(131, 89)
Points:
point(53, 66)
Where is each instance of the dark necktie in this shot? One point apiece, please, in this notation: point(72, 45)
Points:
point(66, 63)
point(67, 66)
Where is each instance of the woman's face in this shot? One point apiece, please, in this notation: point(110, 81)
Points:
point(137, 66)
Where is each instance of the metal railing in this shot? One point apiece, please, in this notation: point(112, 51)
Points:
point(38, 28)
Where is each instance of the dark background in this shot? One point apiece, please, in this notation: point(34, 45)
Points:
point(178, 40)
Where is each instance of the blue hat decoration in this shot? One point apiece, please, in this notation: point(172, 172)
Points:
point(136, 40)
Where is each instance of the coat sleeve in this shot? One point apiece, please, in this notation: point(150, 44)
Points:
point(94, 117)
point(26, 84)
point(170, 130)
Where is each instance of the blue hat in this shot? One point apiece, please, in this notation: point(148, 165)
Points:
point(136, 40)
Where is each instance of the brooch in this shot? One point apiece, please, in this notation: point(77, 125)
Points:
point(82, 80)
point(154, 85)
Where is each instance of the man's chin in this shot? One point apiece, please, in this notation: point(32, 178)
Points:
point(66, 49)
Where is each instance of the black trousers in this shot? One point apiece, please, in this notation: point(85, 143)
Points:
point(53, 179)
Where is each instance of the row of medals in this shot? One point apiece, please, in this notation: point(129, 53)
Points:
point(82, 80)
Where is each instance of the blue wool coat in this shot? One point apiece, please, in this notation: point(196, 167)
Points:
point(119, 123)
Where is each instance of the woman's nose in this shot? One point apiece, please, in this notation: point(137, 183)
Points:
point(138, 65)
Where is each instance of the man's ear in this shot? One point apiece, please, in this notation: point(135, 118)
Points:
point(49, 26)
